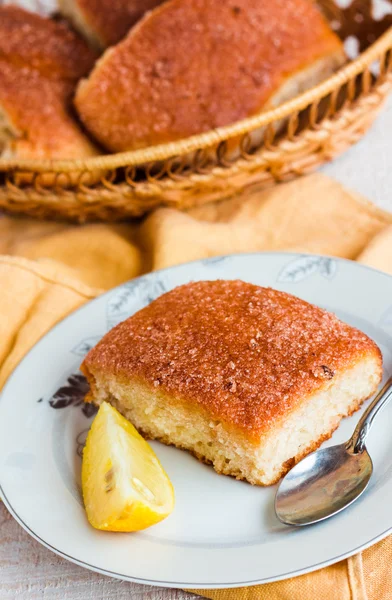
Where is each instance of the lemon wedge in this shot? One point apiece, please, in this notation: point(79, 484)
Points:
point(124, 485)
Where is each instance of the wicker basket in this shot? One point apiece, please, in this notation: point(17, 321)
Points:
point(317, 126)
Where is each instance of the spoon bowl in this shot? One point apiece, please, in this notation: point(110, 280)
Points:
point(322, 485)
point(329, 480)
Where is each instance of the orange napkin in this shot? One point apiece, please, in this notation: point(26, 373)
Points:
point(48, 269)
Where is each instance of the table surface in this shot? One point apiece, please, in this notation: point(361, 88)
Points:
point(27, 569)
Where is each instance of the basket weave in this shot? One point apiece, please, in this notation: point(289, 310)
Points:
point(317, 126)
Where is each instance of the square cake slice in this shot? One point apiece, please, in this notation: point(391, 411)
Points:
point(248, 379)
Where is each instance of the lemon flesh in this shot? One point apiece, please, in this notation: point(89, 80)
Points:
point(124, 485)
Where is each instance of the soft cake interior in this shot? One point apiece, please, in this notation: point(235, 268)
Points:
point(262, 460)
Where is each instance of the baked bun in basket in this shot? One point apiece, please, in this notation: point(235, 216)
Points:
point(190, 66)
point(248, 379)
point(40, 63)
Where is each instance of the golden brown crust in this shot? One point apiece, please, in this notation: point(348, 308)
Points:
point(192, 65)
point(245, 354)
point(36, 109)
point(107, 21)
point(40, 63)
point(47, 46)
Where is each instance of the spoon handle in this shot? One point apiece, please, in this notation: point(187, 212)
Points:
point(356, 443)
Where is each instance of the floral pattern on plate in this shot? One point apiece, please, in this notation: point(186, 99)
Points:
point(132, 296)
point(85, 345)
point(72, 393)
point(301, 268)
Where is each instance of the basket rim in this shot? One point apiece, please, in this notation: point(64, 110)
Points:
point(207, 139)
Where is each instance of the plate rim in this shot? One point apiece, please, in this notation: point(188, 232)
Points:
point(186, 585)
point(176, 584)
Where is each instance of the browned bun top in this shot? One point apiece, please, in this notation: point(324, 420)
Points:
point(246, 354)
point(110, 20)
point(192, 65)
point(47, 46)
point(35, 106)
point(40, 62)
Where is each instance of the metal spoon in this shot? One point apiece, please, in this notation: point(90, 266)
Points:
point(325, 482)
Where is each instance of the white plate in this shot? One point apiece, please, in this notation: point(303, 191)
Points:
point(223, 532)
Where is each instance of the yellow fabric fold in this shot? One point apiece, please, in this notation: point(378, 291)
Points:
point(312, 214)
point(34, 297)
point(47, 270)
